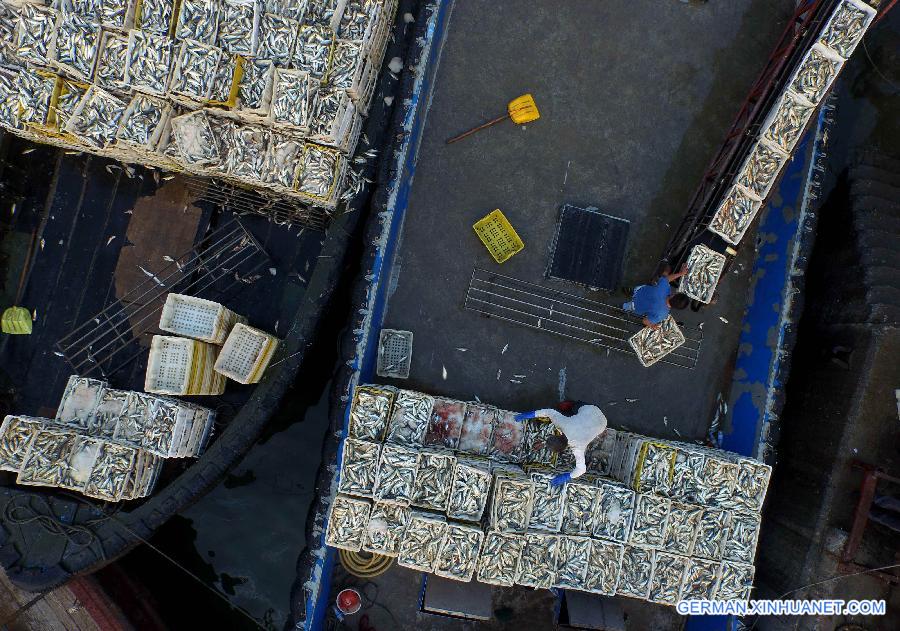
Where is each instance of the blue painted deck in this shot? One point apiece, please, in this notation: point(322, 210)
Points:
point(785, 234)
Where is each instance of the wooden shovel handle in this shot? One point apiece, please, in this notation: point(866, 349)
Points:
point(479, 128)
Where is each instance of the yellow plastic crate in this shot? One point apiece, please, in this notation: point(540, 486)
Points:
point(498, 236)
point(17, 321)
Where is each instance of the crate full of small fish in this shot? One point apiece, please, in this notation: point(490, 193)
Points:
point(651, 345)
point(547, 504)
point(307, 67)
point(500, 558)
point(469, 490)
point(459, 553)
point(579, 509)
point(396, 477)
point(434, 475)
point(537, 562)
point(704, 268)
point(511, 502)
point(359, 465)
point(347, 523)
point(370, 411)
point(422, 541)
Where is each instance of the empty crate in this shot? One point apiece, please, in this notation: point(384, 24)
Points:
point(200, 319)
point(246, 354)
point(181, 366)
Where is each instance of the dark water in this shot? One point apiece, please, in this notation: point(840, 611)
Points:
point(243, 538)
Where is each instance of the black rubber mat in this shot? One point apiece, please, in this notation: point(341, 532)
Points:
point(589, 248)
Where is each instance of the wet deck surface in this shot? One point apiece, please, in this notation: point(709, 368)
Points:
point(634, 99)
point(624, 129)
point(96, 229)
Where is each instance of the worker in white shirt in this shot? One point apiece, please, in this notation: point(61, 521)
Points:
point(580, 424)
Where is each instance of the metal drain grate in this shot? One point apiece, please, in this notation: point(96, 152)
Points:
point(394, 353)
point(588, 248)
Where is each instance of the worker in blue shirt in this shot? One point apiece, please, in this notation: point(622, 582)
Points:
point(655, 301)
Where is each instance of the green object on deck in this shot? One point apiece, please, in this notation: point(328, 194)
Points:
point(16, 321)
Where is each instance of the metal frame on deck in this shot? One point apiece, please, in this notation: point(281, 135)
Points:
point(247, 201)
point(567, 315)
point(714, 185)
point(110, 340)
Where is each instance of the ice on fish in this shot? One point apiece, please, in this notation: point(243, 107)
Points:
point(422, 542)
point(446, 423)
point(347, 523)
point(477, 428)
point(507, 438)
point(387, 523)
point(409, 418)
point(500, 558)
point(459, 553)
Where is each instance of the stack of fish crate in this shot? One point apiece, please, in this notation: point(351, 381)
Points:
point(267, 95)
point(778, 137)
point(105, 443)
point(453, 488)
point(181, 366)
point(183, 363)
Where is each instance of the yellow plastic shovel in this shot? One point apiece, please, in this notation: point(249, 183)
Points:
point(521, 110)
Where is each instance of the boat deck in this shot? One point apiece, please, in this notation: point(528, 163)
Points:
point(605, 139)
point(634, 100)
point(100, 232)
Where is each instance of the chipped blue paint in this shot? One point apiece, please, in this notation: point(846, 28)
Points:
point(765, 342)
point(414, 112)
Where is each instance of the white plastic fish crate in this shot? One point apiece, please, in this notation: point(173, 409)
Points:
point(246, 354)
point(394, 353)
point(197, 318)
point(458, 556)
point(347, 523)
point(182, 366)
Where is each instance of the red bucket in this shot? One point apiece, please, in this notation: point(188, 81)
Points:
point(348, 601)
